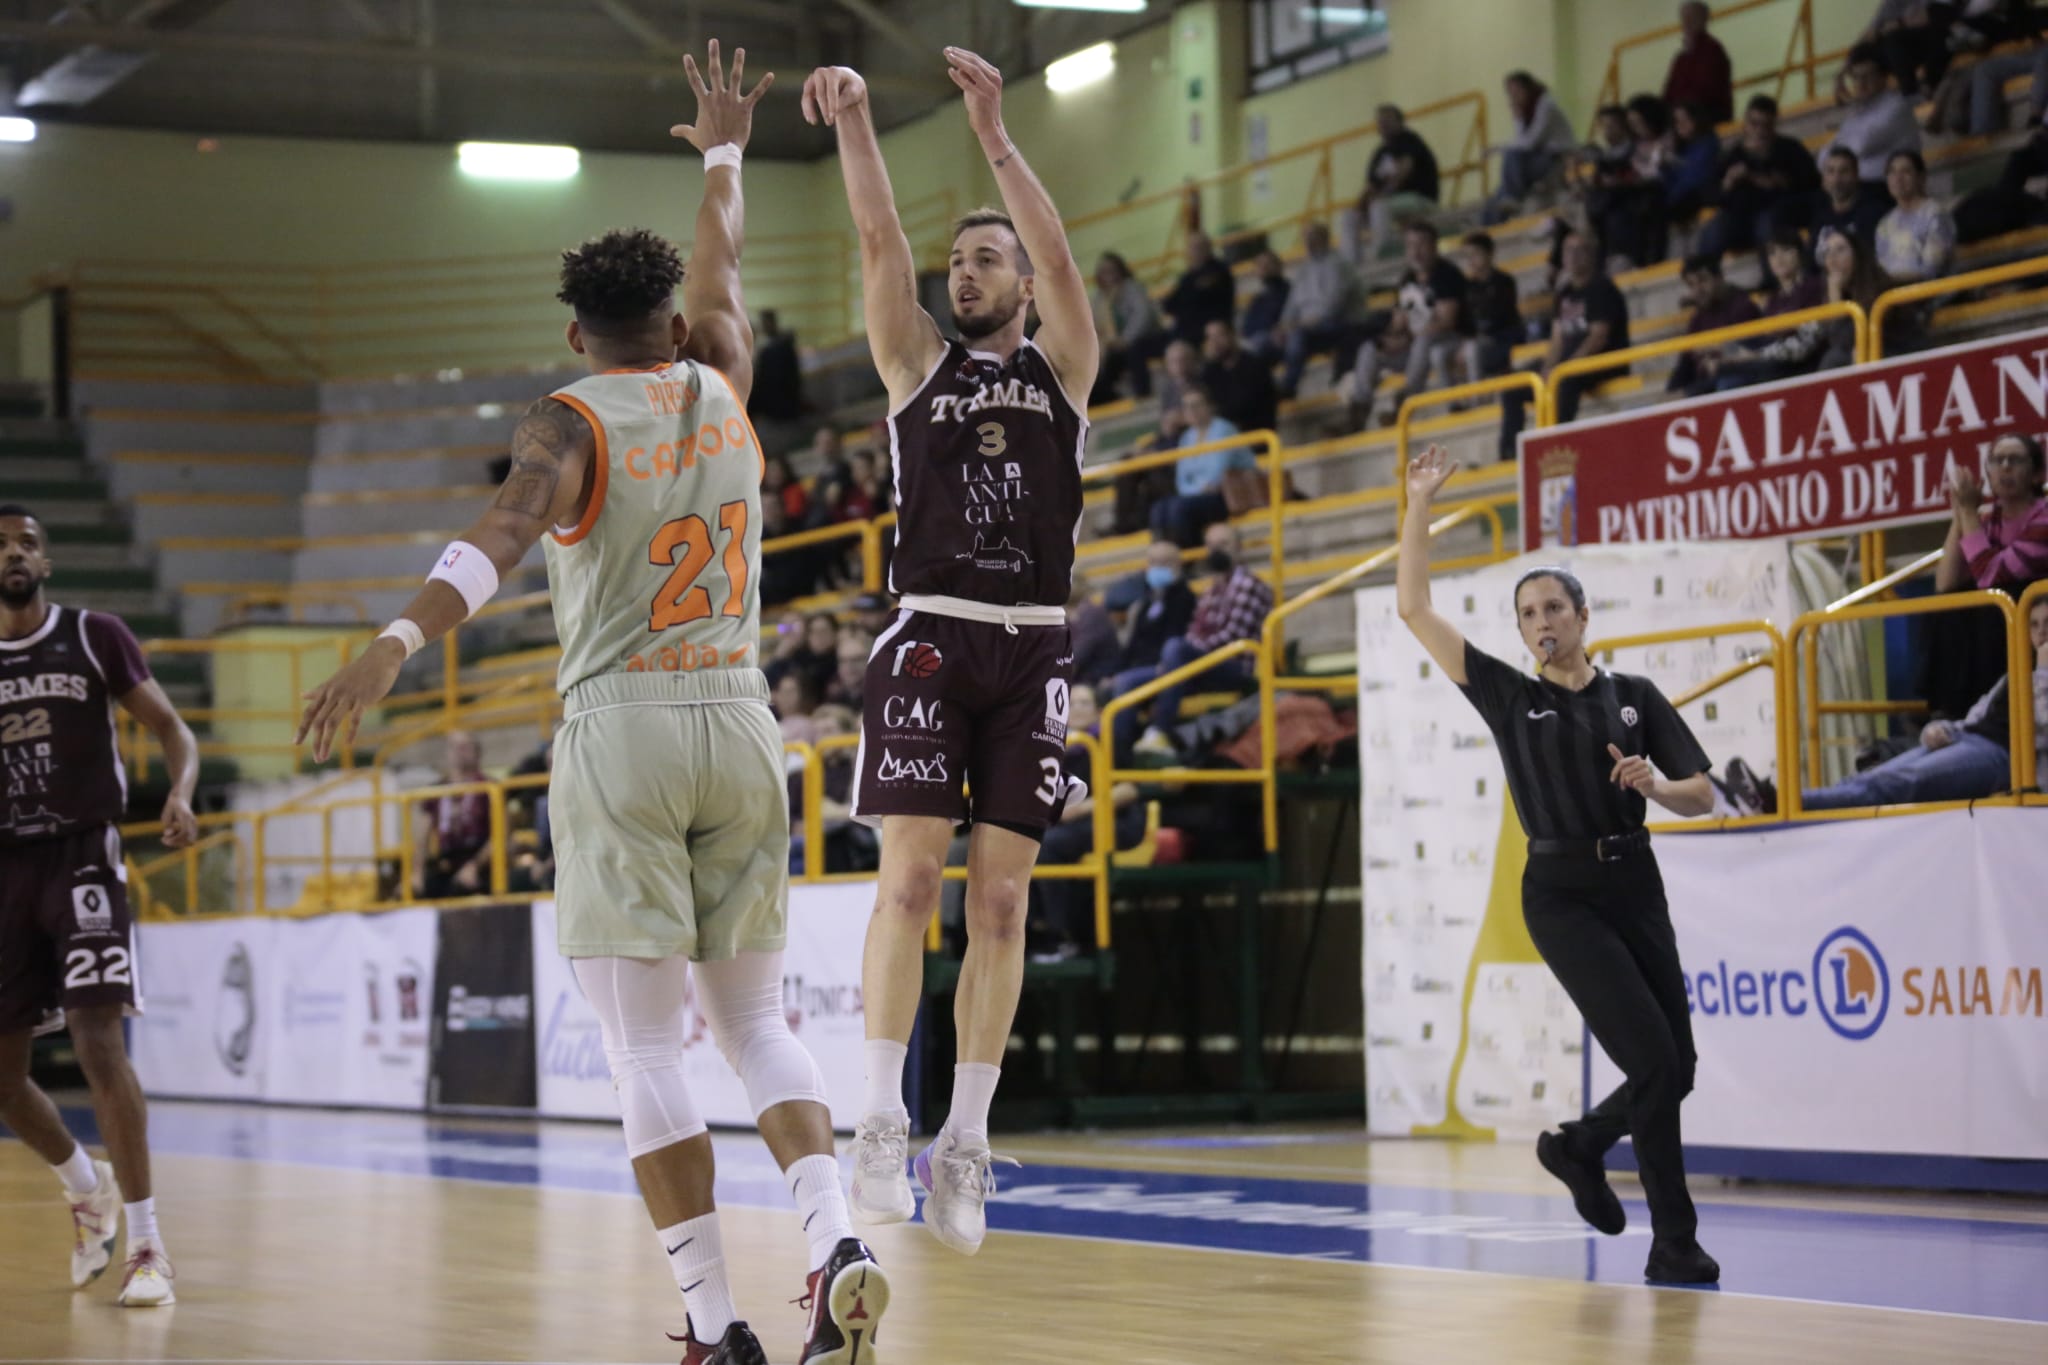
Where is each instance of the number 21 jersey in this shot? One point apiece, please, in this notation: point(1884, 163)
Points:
point(662, 573)
point(987, 459)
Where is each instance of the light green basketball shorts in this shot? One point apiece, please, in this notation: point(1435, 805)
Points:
point(671, 817)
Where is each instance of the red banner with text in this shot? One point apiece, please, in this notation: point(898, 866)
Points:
point(1847, 450)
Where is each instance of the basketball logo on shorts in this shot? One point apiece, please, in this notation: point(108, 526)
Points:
point(91, 909)
point(915, 659)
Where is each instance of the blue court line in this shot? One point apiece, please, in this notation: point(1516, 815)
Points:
point(1970, 1267)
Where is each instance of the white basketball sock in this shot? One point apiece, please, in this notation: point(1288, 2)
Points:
point(885, 1077)
point(696, 1257)
point(77, 1173)
point(974, 1090)
point(141, 1216)
point(821, 1202)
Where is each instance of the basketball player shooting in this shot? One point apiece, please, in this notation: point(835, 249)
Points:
point(67, 944)
point(970, 680)
point(670, 812)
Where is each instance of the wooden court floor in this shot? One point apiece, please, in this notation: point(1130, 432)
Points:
point(307, 1236)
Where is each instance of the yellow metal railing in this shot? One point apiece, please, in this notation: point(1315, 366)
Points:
point(1873, 337)
point(2024, 731)
point(1803, 701)
point(1719, 336)
point(1613, 88)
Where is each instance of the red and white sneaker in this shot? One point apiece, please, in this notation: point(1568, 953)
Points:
point(95, 1223)
point(147, 1283)
point(846, 1297)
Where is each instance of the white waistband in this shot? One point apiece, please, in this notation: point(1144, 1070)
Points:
point(1009, 618)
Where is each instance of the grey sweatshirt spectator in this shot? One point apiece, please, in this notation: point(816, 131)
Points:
point(1917, 239)
point(1543, 135)
point(1879, 121)
point(1324, 305)
point(1129, 327)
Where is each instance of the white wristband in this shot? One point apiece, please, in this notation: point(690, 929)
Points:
point(724, 154)
point(469, 571)
point(408, 634)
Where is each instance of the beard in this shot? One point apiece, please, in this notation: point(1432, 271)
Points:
point(18, 590)
point(999, 315)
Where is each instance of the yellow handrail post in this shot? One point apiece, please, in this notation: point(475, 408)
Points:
point(1873, 340)
point(260, 854)
point(1404, 420)
point(327, 855)
point(451, 672)
point(2024, 737)
point(406, 854)
point(501, 837)
point(191, 852)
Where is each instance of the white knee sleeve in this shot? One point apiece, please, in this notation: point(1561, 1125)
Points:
point(639, 1007)
point(742, 1002)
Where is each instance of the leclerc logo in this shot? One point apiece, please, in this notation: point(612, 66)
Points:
point(1850, 983)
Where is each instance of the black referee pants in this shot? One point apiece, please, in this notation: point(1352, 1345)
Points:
point(1605, 930)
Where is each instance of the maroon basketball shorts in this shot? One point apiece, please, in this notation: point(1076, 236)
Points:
point(949, 700)
point(66, 940)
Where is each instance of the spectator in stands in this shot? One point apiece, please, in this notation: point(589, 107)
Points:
point(1205, 291)
point(1795, 289)
point(778, 392)
point(1160, 613)
point(2006, 545)
point(1692, 171)
point(1956, 760)
point(796, 697)
point(848, 847)
point(1092, 635)
point(777, 482)
point(1766, 179)
point(1401, 182)
point(1988, 76)
point(1494, 300)
point(1607, 171)
point(1261, 325)
point(1848, 272)
point(1543, 138)
point(1700, 72)
point(1879, 121)
point(870, 612)
point(833, 475)
point(1061, 921)
point(533, 869)
point(1240, 383)
point(785, 575)
point(1234, 608)
point(1591, 318)
point(1993, 210)
point(1198, 479)
point(843, 688)
point(1917, 239)
point(1324, 309)
point(1910, 37)
point(455, 833)
point(1129, 327)
point(1433, 324)
point(1629, 213)
point(1843, 202)
point(1139, 493)
point(809, 647)
point(1714, 305)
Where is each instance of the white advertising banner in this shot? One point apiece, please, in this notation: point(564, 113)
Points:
point(205, 1027)
point(821, 994)
point(1466, 1032)
point(351, 1002)
point(1866, 985)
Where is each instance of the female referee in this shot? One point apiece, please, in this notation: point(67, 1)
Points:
point(1573, 740)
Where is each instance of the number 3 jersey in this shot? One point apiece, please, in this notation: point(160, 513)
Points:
point(58, 685)
point(987, 456)
point(662, 573)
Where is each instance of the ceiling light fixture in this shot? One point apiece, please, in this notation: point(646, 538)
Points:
point(1077, 69)
point(17, 129)
point(517, 161)
point(1104, 6)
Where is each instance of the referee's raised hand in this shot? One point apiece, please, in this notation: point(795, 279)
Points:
point(1428, 473)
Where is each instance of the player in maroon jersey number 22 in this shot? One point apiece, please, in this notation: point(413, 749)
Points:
point(970, 680)
point(67, 947)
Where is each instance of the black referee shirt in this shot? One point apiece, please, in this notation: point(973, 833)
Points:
point(1553, 742)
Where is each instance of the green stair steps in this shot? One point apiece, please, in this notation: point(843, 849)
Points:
point(42, 447)
point(108, 534)
point(126, 578)
point(32, 491)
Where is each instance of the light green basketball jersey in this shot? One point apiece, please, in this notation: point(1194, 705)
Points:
point(663, 572)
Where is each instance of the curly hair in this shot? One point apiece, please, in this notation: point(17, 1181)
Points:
point(621, 277)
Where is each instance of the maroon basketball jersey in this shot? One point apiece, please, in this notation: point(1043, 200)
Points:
point(57, 753)
point(988, 481)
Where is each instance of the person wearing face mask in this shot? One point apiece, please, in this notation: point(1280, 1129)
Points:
point(1157, 605)
point(1578, 744)
point(1234, 608)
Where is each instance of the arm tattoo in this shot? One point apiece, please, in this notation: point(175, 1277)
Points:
point(1005, 158)
point(544, 437)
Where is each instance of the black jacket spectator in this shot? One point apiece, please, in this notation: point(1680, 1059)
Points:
point(1844, 202)
point(778, 374)
point(1240, 382)
point(1262, 314)
point(1767, 180)
point(1591, 317)
point(1206, 292)
point(1159, 615)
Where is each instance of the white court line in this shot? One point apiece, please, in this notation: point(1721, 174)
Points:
point(1074, 1237)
